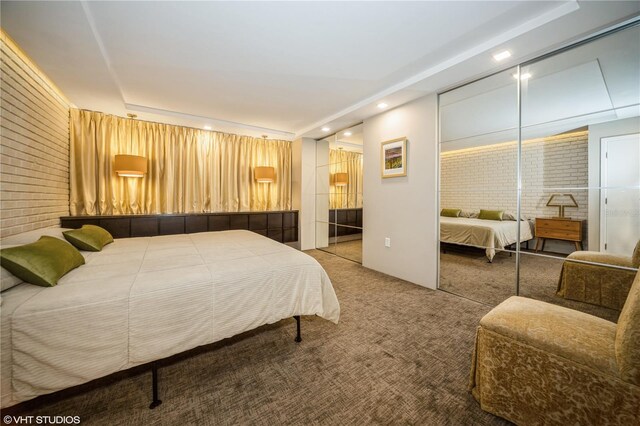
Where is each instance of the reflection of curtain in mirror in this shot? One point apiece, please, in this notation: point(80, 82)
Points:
point(349, 196)
point(189, 170)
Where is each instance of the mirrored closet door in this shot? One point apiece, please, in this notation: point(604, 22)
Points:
point(574, 148)
point(581, 173)
point(339, 203)
point(478, 179)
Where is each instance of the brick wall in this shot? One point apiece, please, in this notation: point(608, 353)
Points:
point(34, 145)
point(485, 177)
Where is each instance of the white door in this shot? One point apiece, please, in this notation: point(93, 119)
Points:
point(620, 204)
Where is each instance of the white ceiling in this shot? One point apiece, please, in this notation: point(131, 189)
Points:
point(282, 68)
point(353, 140)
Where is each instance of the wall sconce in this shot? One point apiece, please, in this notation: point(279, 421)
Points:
point(341, 179)
point(264, 174)
point(130, 165)
point(561, 201)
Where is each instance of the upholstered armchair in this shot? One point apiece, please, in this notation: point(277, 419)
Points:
point(536, 363)
point(602, 285)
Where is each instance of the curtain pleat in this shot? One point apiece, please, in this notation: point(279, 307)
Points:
point(188, 170)
point(349, 196)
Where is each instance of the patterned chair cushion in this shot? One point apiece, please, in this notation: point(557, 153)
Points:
point(529, 386)
point(627, 346)
point(570, 334)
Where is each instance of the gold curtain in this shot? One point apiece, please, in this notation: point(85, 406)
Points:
point(349, 196)
point(189, 170)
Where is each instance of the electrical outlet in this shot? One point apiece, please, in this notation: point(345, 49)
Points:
point(387, 242)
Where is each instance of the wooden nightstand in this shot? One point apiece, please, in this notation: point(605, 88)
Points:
point(558, 229)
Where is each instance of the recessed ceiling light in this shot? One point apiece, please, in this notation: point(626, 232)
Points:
point(500, 56)
point(208, 127)
point(524, 76)
point(382, 105)
point(325, 129)
point(347, 133)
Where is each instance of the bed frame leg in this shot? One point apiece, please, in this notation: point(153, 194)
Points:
point(298, 339)
point(154, 386)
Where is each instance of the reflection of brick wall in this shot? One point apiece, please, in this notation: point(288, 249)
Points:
point(485, 177)
point(34, 175)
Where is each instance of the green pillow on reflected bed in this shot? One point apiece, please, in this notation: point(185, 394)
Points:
point(490, 214)
point(450, 212)
point(89, 237)
point(41, 263)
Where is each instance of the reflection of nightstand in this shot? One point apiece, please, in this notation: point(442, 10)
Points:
point(558, 229)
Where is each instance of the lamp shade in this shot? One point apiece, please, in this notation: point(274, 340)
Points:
point(264, 174)
point(561, 201)
point(341, 179)
point(130, 165)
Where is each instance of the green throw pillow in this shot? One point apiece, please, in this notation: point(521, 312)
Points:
point(490, 214)
point(41, 263)
point(89, 237)
point(450, 212)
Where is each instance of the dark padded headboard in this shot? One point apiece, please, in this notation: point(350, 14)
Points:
point(281, 226)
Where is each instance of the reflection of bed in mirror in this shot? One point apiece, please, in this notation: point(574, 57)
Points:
point(490, 235)
point(348, 221)
point(345, 233)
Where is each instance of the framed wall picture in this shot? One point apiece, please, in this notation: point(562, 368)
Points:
point(394, 158)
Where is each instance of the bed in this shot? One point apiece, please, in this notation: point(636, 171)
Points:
point(143, 299)
point(490, 235)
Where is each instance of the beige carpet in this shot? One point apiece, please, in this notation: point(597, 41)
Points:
point(400, 355)
point(351, 250)
point(466, 272)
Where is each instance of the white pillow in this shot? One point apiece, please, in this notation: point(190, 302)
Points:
point(511, 216)
point(32, 236)
point(468, 214)
point(8, 280)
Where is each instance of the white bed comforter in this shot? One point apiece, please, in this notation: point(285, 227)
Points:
point(487, 234)
point(142, 299)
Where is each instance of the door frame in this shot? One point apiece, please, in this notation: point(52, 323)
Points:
point(604, 148)
point(604, 161)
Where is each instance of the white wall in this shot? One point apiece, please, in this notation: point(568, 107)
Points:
point(303, 182)
point(403, 208)
point(596, 133)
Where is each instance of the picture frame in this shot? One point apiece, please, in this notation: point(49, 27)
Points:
point(393, 158)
